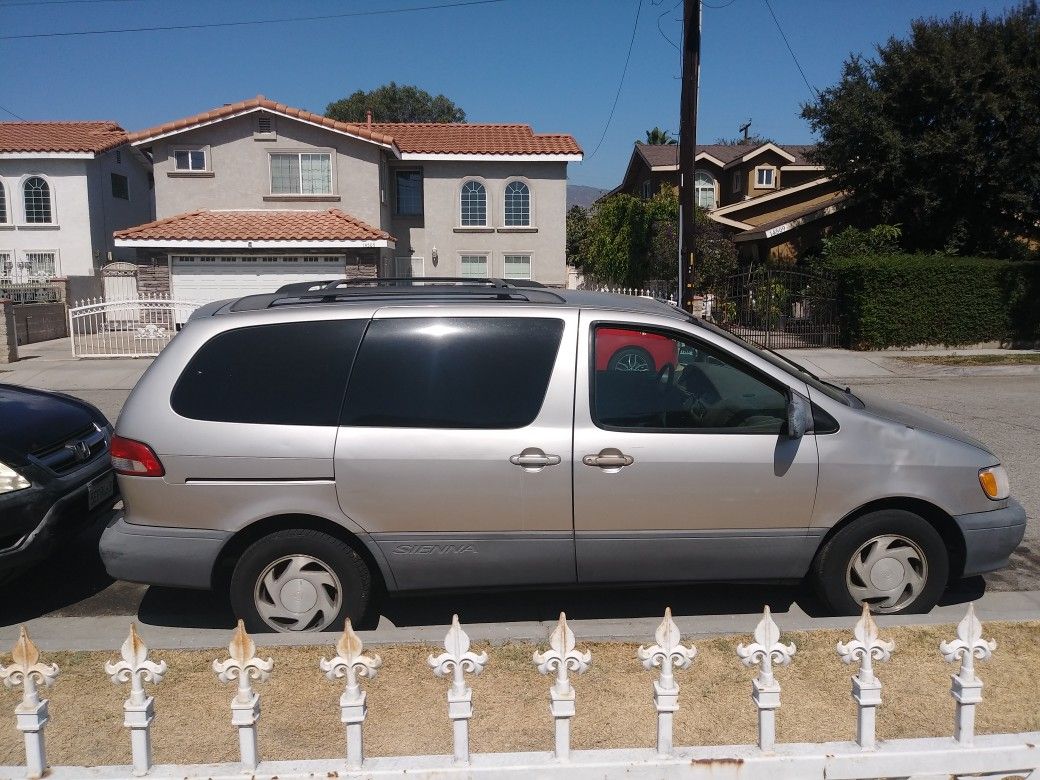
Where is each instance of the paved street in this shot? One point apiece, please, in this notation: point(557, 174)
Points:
point(1001, 408)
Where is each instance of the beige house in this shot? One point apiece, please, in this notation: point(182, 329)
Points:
point(774, 199)
point(257, 194)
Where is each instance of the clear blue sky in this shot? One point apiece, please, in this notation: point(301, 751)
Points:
point(552, 63)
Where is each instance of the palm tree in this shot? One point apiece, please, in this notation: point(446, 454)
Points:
point(658, 136)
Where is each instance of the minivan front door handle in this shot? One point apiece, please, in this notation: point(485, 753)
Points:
point(609, 458)
point(534, 458)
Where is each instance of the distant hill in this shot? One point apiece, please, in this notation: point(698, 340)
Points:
point(580, 195)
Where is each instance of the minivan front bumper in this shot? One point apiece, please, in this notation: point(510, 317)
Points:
point(991, 537)
point(171, 557)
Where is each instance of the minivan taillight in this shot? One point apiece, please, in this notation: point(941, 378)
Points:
point(134, 458)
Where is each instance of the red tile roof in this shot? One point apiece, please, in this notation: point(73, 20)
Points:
point(431, 138)
point(418, 138)
point(260, 102)
point(330, 225)
point(31, 137)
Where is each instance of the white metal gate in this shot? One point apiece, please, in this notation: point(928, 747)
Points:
point(136, 328)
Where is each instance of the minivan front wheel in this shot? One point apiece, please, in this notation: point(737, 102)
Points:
point(299, 580)
point(892, 560)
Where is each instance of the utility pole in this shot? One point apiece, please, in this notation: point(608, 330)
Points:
point(691, 65)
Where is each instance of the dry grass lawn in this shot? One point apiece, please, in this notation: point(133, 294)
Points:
point(408, 712)
point(1011, 359)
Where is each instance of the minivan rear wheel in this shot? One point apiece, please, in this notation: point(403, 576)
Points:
point(893, 560)
point(299, 580)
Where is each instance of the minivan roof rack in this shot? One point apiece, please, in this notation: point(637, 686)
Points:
point(403, 288)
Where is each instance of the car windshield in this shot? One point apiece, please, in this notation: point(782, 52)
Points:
point(840, 394)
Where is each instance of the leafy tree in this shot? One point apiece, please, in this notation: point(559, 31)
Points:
point(395, 103)
point(852, 241)
point(578, 226)
point(658, 136)
point(940, 132)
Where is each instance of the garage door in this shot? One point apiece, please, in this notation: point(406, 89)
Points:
point(205, 278)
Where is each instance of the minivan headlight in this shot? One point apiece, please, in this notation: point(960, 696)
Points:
point(11, 480)
point(994, 481)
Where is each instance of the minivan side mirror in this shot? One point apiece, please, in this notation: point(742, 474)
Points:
point(799, 416)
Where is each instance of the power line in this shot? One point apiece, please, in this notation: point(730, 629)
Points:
point(324, 17)
point(60, 2)
point(717, 7)
point(624, 71)
point(661, 16)
point(12, 113)
point(812, 89)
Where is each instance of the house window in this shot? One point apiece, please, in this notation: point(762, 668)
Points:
point(517, 204)
point(474, 204)
point(765, 177)
point(409, 193)
point(40, 265)
point(304, 173)
point(473, 266)
point(738, 181)
point(646, 190)
point(516, 267)
point(704, 184)
point(7, 266)
point(3, 204)
point(120, 187)
point(189, 159)
point(384, 180)
point(37, 199)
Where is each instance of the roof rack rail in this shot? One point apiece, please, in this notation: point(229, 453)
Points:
point(403, 288)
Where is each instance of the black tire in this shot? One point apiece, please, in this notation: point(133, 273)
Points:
point(336, 556)
point(619, 360)
point(833, 572)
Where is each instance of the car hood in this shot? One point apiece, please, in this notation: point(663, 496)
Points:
point(889, 410)
point(33, 419)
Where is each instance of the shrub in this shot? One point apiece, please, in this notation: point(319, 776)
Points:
point(902, 300)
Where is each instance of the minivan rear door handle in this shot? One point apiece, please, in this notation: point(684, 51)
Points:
point(534, 458)
point(609, 458)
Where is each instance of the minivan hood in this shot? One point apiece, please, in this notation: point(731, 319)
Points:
point(889, 410)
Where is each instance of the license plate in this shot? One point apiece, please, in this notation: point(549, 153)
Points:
point(100, 489)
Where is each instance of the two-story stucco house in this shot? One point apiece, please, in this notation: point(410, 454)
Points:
point(257, 194)
point(64, 188)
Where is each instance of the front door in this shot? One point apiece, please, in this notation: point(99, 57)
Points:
point(683, 469)
point(454, 450)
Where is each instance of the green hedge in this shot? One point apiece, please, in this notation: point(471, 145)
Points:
point(903, 300)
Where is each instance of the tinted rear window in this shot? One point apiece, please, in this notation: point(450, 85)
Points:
point(469, 372)
point(286, 374)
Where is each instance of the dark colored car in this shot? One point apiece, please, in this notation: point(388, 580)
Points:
point(56, 478)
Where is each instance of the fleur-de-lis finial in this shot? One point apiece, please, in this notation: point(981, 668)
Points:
point(27, 671)
point(561, 657)
point(135, 668)
point(243, 665)
point(668, 651)
point(766, 649)
point(866, 647)
point(968, 645)
point(349, 661)
point(457, 658)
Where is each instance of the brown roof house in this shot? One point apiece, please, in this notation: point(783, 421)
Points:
point(64, 188)
point(774, 199)
point(256, 194)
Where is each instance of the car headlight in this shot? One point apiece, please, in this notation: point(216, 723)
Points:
point(994, 481)
point(11, 480)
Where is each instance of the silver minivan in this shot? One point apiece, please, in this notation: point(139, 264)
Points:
point(309, 448)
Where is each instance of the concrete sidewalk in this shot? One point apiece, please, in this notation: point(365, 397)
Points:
point(49, 365)
point(108, 632)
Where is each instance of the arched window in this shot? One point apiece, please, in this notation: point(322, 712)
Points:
point(517, 204)
point(37, 199)
point(474, 204)
point(704, 184)
point(3, 205)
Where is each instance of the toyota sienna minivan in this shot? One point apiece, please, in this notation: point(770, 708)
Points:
point(311, 447)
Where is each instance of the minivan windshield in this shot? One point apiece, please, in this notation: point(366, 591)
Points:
point(840, 394)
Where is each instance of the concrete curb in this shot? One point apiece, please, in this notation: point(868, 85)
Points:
point(108, 633)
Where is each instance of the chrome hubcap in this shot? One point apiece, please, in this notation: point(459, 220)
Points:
point(298, 593)
point(887, 573)
point(631, 361)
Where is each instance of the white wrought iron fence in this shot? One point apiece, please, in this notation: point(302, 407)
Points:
point(965, 754)
point(645, 292)
point(132, 328)
point(32, 292)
